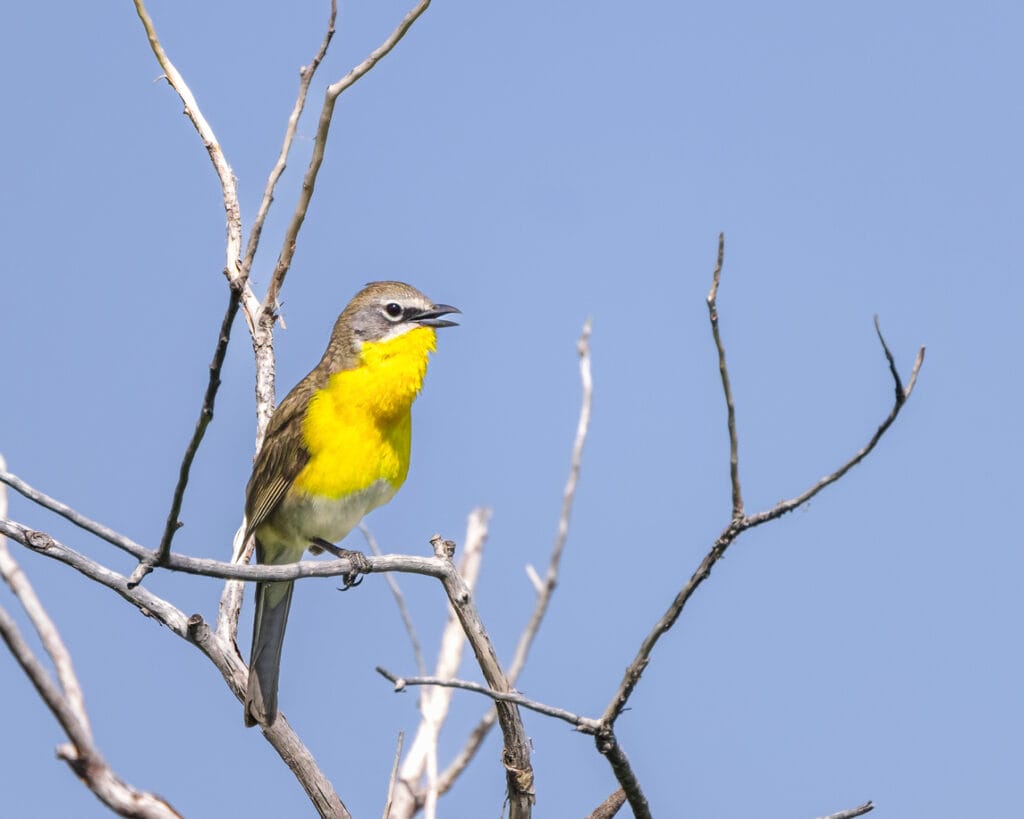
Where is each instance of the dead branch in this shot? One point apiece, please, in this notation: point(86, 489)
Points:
point(421, 760)
point(741, 521)
point(581, 723)
point(305, 78)
point(610, 806)
point(334, 90)
point(516, 752)
point(66, 701)
point(860, 810)
point(205, 417)
point(222, 653)
point(545, 588)
point(233, 214)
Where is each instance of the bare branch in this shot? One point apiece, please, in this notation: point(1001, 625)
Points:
point(67, 703)
point(902, 395)
point(77, 518)
point(860, 810)
point(740, 524)
point(734, 456)
point(516, 753)
point(50, 637)
point(608, 746)
point(205, 417)
point(229, 608)
point(81, 755)
point(305, 78)
point(568, 497)
point(610, 806)
point(43, 544)
point(233, 215)
point(584, 724)
point(222, 653)
point(394, 775)
point(435, 702)
point(284, 259)
point(545, 588)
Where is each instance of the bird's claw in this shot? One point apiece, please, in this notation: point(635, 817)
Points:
point(360, 565)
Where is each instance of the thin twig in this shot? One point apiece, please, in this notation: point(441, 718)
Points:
point(516, 752)
point(734, 449)
point(403, 610)
point(394, 775)
point(610, 806)
point(902, 395)
point(305, 78)
point(860, 810)
point(739, 525)
point(545, 588)
point(50, 637)
point(76, 517)
point(434, 703)
point(205, 417)
point(583, 724)
point(334, 90)
point(232, 211)
point(568, 497)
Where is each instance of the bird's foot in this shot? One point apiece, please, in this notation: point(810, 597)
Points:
point(360, 565)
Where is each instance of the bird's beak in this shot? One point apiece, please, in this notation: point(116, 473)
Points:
point(432, 317)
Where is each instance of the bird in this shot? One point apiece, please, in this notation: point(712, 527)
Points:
point(335, 448)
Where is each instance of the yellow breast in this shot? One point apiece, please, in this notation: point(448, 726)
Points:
point(358, 429)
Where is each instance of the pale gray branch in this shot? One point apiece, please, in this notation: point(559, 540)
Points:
point(545, 588)
point(516, 753)
point(305, 78)
point(222, 653)
point(66, 702)
point(421, 760)
point(233, 215)
point(860, 810)
point(50, 637)
point(583, 724)
point(394, 775)
point(610, 806)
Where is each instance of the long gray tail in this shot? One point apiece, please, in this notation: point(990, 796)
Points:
point(272, 603)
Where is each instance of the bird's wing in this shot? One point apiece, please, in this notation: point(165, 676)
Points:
point(282, 456)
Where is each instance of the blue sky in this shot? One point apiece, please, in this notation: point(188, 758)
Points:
point(535, 164)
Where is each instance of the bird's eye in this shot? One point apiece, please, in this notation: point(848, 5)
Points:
point(393, 309)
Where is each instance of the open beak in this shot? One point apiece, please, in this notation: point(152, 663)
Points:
point(432, 317)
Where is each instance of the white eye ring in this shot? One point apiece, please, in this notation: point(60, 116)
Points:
point(393, 310)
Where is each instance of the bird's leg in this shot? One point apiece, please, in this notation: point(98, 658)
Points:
point(360, 565)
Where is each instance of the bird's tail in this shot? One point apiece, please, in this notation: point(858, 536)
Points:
point(272, 603)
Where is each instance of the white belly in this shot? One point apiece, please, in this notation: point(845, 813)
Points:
point(300, 519)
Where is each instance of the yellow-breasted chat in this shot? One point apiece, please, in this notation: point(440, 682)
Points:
point(336, 448)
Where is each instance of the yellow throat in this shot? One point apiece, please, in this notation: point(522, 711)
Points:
point(358, 428)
